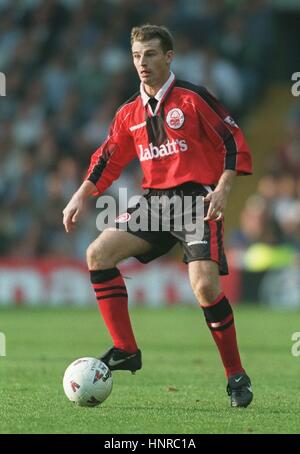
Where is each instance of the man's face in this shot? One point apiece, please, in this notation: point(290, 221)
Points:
point(152, 64)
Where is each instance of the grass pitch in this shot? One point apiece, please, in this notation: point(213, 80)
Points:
point(180, 390)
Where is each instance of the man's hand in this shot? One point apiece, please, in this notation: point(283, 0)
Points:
point(217, 202)
point(218, 198)
point(74, 208)
point(72, 212)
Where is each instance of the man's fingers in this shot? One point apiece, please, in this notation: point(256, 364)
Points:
point(216, 206)
point(75, 216)
point(69, 226)
point(207, 198)
point(71, 214)
point(209, 216)
point(69, 218)
point(66, 223)
point(213, 214)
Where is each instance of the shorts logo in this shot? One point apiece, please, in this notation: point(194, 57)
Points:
point(175, 118)
point(192, 243)
point(123, 218)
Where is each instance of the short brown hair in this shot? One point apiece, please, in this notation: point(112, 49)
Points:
point(147, 32)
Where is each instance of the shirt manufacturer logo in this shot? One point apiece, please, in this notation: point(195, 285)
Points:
point(175, 118)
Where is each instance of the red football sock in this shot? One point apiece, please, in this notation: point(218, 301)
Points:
point(112, 300)
point(219, 318)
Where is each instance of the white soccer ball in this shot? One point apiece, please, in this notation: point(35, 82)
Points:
point(87, 382)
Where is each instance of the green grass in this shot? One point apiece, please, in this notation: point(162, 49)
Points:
point(181, 388)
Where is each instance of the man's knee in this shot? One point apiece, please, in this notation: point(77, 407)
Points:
point(205, 281)
point(98, 256)
point(205, 291)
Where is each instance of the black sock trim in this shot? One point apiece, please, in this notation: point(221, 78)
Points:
point(217, 312)
point(112, 295)
point(99, 276)
point(105, 289)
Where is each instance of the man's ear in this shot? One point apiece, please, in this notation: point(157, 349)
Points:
point(169, 56)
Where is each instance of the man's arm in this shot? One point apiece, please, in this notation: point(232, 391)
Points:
point(105, 167)
point(218, 198)
point(108, 161)
point(236, 155)
point(76, 204)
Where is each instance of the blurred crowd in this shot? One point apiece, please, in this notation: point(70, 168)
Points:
point(68, 66)
point(271, 216)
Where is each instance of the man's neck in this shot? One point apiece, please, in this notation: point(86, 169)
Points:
point(152, 90)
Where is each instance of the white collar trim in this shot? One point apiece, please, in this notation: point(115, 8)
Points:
point(161, 92)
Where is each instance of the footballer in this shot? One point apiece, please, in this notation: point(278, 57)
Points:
point(187, 145)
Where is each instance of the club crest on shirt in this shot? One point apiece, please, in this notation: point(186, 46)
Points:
point(175, 118)
point(123, 218)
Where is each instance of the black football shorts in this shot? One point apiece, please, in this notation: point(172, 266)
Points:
point(207, 244)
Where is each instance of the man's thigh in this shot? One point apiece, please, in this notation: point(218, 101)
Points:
point(116, 245)
point(204, 270)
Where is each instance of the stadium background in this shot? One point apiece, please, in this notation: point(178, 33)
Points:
point(67, 68)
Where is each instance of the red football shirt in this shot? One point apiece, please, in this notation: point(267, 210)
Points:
point(188, 137)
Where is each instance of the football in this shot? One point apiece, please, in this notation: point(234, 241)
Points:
point(87, 382)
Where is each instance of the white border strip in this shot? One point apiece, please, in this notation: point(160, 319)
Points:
point(140, 125)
